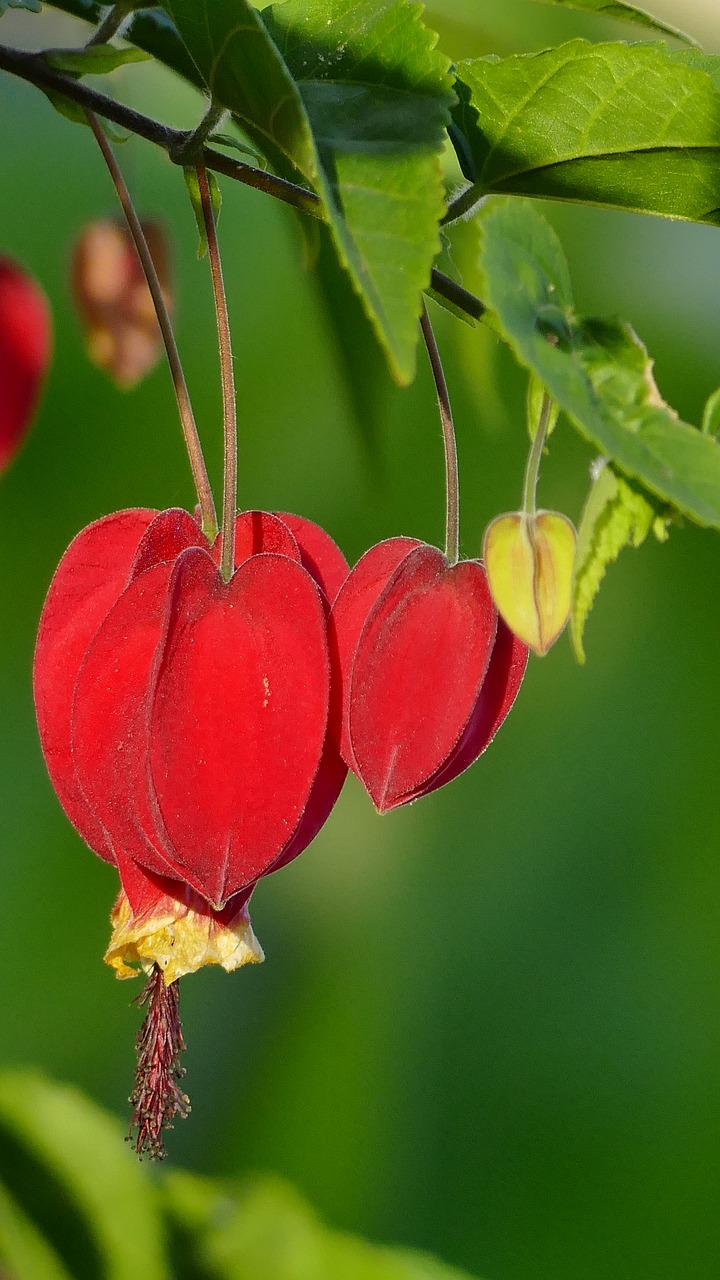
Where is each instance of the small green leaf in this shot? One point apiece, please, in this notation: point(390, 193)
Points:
point(711, 416)
point(626, 126)
point(82, 1148)
point(624, 13)
point(617, 514)
point(227, 140)
point(597, 371)
point(191, 182)
point(98, 60)
point(33, 6)
point(534, 406)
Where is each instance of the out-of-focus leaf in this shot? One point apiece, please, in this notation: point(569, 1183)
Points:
point(34, 6)
point(628, 126)
point(265, 1229)
point(24, 1254)
point(363, 368)
point(624, 13)
point(617, 514)
point(597, 371)
point(354, 101)
point(98, 60)
point(81, 1148)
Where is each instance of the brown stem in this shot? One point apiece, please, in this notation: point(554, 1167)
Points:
point(227, 375)
point(33, 68)
point(157, 1097)
point(452, 494)
point(187, 419)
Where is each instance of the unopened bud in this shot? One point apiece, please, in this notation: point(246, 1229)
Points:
point(121, 330)
point(529, 563)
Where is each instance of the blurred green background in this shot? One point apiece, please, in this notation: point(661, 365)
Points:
point(488, 1024)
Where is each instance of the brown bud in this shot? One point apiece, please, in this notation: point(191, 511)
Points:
point(121, 329)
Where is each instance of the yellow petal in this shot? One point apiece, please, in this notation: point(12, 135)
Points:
point(529, 563)
point(179, 939)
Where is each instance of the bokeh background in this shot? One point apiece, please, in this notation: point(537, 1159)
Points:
point(488, 1024)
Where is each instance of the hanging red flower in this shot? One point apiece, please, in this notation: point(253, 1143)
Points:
point(428, 671)
point(183, 721)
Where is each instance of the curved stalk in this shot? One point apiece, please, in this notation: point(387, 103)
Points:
point(532, 468)
point(227, 554)
point(452, 487)
point(187, 418)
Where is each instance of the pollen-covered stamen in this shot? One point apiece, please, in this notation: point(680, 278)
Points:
point(157, 1097)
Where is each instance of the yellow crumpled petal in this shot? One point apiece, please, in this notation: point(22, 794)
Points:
point(179, 940)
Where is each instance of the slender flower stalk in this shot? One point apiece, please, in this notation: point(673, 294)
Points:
point(227, 556)
point(532, 469)
point(452, 491)
point(187, 418)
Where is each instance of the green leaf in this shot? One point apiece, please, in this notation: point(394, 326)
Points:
point(617, 514)
point(98, 60)
point(265, 1229)
point(353, 100)
point(80, 1149)
point(193, 186)
point(597, 371)
point(627, 126)
point(624, 13)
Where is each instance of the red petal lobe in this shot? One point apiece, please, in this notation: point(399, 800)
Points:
point(239, 716)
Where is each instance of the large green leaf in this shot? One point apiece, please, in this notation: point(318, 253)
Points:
point(630, 126)
point(265, 1229)
point(53, 1138)
point(353, 99)
point(624, 13)
point(597, 371)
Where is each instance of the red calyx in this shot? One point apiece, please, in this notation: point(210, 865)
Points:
point(183, 718)
point(427, 670)
point(25, 346)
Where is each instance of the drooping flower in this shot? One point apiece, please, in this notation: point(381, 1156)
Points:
point(25, 346)
point(183, 721)
point(428, 672)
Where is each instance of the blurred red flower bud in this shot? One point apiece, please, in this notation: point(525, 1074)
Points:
point(25, 347)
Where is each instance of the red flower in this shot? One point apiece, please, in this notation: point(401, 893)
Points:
point(25, 343)
point(184, 719)
point(428, 671)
